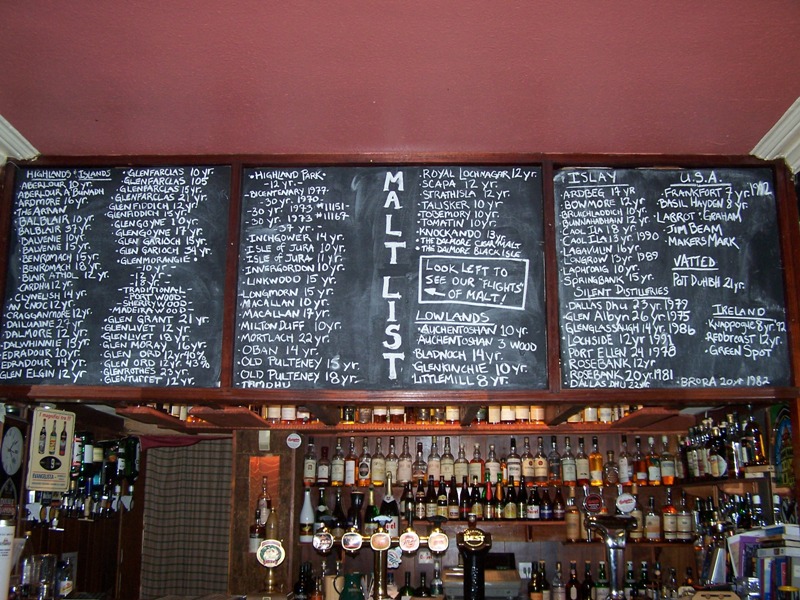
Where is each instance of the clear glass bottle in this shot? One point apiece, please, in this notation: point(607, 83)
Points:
point(554, 463)
point(541, 466)
point(639, 463)
point(610, 469)
point(337, 465)
point(351, 464)
point(323, 476)
point(528, 474)
point(476, 465)
point(434, 460)
point(568, 466)
point(419, 468)
point(652, 522)
point(447, 462)
point(558, 589)
point(310, 463)
point(378, 465)
point(514, 462)
point(492, 465)
point(624, 463)
point(405, 463)
point(256, 533)
point(392, 461)
point(264, 502)
point(669, 518)
point(461, 464)
point(637, 533)
point(667, 462)
point(595, 465)
point(653, 463)
point(582, 471)
point(364, 468)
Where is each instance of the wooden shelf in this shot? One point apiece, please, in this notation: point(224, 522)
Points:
point(151, 416)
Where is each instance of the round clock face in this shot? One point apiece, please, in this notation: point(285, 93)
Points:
point(11, 451)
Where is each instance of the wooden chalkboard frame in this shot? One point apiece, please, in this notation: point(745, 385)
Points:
point(227, 395)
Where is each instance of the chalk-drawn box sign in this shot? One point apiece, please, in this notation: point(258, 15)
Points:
point(491, 282)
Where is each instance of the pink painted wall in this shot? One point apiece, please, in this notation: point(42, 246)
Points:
point(266, 76)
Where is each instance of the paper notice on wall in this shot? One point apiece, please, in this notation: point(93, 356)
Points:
point(50, 453)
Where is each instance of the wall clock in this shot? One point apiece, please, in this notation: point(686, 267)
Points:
point(12, 455)
point(11, 450)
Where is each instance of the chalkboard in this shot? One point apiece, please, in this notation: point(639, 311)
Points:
point(404, 277)
point(115, 276)
point(670, 278)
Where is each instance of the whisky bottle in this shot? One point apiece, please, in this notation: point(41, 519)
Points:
point(541, 469)
point(256, 533)
point(624, 463)
point(419, 468)
point(595, 465)
point(610, 470)
point(264, 502)
point(492, 466)
point(582, 472)
point(378, 465)
point(364, 468)
point(639, 463)
point(637, 533)
point(684, 521)
point(434, 460)
point(447, 463)
point(557, 588)
point(554, 464)
point(310, 464)
point(667, 463)
point(514, 462)
point(652, 522)
point(476, 465)
point(461, 464)
point(568, 467)
point(653, 464)
point(669, 518)
point(337, 465)
point(351, 464)
point(527, 464)
point(404, 464)
point(392, 462)
point(323, 474)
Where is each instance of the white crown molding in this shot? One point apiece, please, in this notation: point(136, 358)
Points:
point(13, 145)
point(783, 140)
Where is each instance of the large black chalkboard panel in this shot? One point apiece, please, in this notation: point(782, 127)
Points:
point(670, 278)
point(115, 276)
point(391, 278)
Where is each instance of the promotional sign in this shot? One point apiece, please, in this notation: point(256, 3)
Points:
point(50, 451)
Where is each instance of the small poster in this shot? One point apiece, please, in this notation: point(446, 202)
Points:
point(50, 451)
